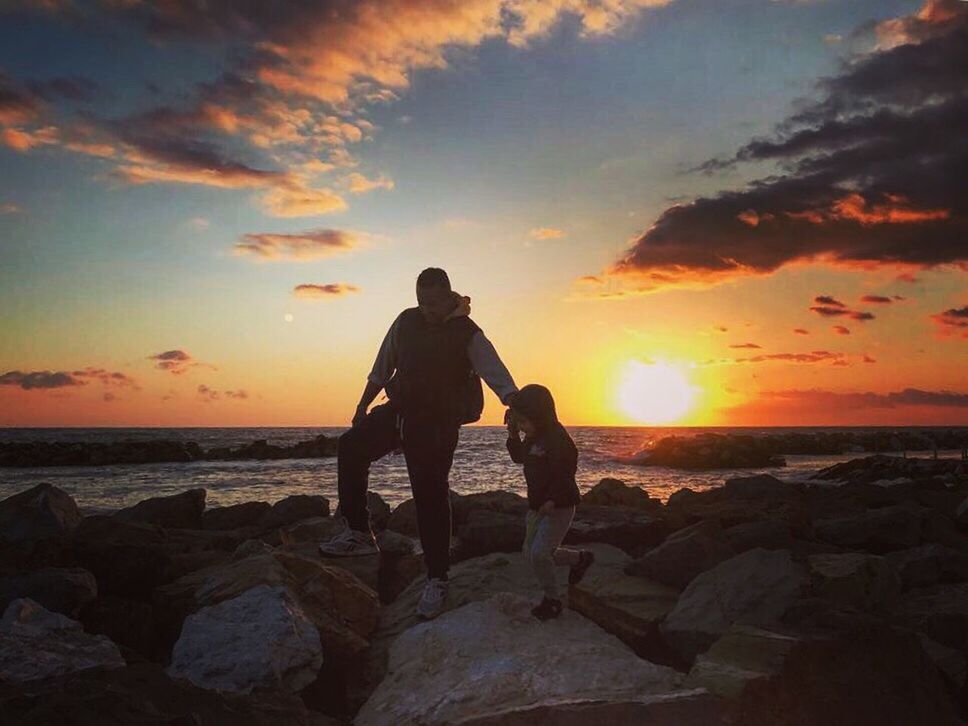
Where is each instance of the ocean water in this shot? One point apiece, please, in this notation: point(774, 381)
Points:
point(480, 464)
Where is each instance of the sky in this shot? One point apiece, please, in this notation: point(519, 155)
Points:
point(685, 212)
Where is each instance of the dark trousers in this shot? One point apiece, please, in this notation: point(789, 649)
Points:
point(428, 446)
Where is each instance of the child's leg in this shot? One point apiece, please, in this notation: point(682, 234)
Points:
point(549, 532)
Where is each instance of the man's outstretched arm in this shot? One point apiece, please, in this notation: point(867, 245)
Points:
point(489, 366)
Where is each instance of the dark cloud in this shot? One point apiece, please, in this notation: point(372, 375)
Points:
point(309, 245)
point(829, 307)
point(801, 331)
point(745, 345)
point(952, 322)
point(880, 299)
point(319, 292)
point(108, 378)
point(177, 362)
point(71, 88)
point(814, 356)
point(827, 300)
point(841, 330)
point(210, 394)
point(39, 379)
point(870, 173)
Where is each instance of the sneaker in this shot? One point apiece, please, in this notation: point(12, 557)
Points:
point(350, 543)
point(547, 609)
point(433, 599)
point(577, 572)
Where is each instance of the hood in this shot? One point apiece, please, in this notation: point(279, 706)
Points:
point(535, 403)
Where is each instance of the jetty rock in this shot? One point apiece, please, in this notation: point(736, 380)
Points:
point(491, 661)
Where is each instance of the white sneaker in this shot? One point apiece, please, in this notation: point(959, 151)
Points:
point(433, 600)
point(350, 543)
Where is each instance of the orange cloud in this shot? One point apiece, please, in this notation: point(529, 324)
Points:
point(322, 292)
point(359, 184)
point(177, 362)
point(546, 233)
point(310, 245)
point(952, 322)
point(841, 330)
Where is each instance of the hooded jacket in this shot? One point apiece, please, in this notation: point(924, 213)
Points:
point(550, 457)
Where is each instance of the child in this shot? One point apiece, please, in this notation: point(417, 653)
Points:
point(550, 460)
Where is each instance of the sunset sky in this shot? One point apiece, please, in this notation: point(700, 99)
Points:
point(698, 212)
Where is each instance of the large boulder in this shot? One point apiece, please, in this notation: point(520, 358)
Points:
point(462, 505)
point(929, 564)
point(616, 493)
point(144, 694)
point(628, 607)
point(42, 511)
point(961, 513)
point(379, 511)
point(246, 514)
point(261, 638)
point(36, 643)
point(745, 500)
point(487, 530)
point(877, 531)
point(178, 511)
point(295, 508)
point(865, 674)
point(754, 588)
point(771, 534)
point(939, 611)
point(631, 530)
point(490, 657)
point(683, 555)
point(129, 623)
point(856, 580)
point(342, 608)
point(759, 486)
point(61, 589)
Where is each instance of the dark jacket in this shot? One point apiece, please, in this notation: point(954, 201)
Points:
point(550, 458)
point(434, 376)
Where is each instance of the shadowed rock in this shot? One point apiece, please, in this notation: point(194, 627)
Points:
point(43, 511)
point(178, 511)
point(60, 589)
point(683, 555)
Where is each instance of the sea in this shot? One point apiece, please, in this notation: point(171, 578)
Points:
point(480, 464)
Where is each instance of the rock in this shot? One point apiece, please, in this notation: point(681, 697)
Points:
point(403, 519)
point(178, 511)
point(43, 511)
point(683, 555)
point(878, 531)
point(468, 664)
point(758, 486)
point(295, 508)
point(487, 531)
point(365, 568)
point(342, 608)
point(754, 588)
point(961, 514)
point(951, 662)
point(615, 493)
point(129, 623)
point(36, 643)
point(234, 516)
point(628, 529)
point(771, 534)
point(144, 694)
point(929, 564)
point(311, 531)
point(128, 559)
point(261, 638)
point(61, 589)
point(710, 451)
point(495, 501)
point(379, 511)
point(854, 579)
point(878, 468)
point(939, 611)
point(251, 547)
point(682, 708)
point(868, 674)
point(628, 607)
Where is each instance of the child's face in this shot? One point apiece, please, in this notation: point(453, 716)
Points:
point(525, 424)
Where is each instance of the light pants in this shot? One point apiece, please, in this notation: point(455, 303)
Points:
point(541, 546)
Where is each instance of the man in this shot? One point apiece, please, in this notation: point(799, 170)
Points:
point(428, 365)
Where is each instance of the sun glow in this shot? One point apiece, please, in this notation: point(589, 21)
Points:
point(656, 393)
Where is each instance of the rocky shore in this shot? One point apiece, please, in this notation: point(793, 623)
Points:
point(758, 602)
point(743, 451)
point(40, 453)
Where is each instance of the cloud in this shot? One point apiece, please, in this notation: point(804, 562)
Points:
point(10, 208)
point(869, 359)
point(905, 397)
point(211, 394)
point(868, 174)
point(841, 330)
point(322, 292)
point(300, 201)
point(177, 362)
point(64, 379)
point(801, 331)
point(359, 184)
point(952, 322)
point(827, 300)
point(546, 233)
point(39, 379)
point(880, 299)
point(830, 307)
point(746, 345)
point(815, 356)
point(310, 245)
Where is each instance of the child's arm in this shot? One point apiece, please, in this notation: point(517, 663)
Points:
point(515, 447)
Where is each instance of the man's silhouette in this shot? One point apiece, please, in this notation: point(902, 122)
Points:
point(428, 365)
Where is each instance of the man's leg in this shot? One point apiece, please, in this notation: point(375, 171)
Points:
point(429, 449)
point(375, 437)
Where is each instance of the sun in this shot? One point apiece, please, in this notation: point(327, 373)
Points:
point(655, 393)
